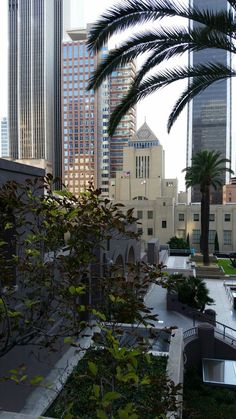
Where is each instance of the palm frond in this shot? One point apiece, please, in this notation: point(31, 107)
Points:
point(176, 43)
point(206, 170)
point(135, 12)
point(127, 52)
point(232, 3)
point(207, 75)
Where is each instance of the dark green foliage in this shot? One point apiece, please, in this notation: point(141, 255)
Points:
point(191, 291)
point(206, 171)
point(177, 243)
point(150, 399)
point(51, 284)
point(203, 401)
point(160, 44)
point(216, 243)
point(187, 240)
point(52, 306)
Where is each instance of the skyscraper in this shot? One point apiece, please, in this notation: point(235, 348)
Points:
point(89, 154)
point(209, 113)
point(4, 149)
point(34, 109)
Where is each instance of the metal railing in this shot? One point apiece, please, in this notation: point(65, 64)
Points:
point(190, 333)
point(222, 331)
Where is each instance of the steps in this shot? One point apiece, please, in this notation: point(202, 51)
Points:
point(209, 272)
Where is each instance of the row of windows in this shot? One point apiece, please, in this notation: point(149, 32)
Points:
point(149, 231)
point(71, 70)
point(196, 217)
point(227, 237)
point(149, 214)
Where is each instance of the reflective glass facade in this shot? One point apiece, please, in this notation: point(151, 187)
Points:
point(34, 110)
point(209, 114)
point(4, 148)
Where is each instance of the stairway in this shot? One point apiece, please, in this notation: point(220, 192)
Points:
point(209, 272)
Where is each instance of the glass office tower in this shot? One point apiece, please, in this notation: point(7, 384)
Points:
point(4, 149)
point(34, 108)
point(209, 113)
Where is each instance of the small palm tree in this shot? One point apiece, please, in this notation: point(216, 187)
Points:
point(206, 171)
point(213, 30)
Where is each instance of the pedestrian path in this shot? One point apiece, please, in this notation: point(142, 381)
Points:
point(156, 299)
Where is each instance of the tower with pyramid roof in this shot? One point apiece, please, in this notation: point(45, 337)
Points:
point(143, 174)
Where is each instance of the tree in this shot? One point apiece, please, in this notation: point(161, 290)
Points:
point(206, 171)
point(216, 243)
point(177, 243)
point(213, 30)
point(39, 282)
point(46, 309)
point(187, 240)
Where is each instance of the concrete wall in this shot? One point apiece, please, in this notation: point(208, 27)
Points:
point(10, 170)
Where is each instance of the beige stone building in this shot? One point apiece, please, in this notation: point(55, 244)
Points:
point(229, 191)
point(142, 186)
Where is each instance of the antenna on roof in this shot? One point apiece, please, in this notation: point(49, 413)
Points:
point(145, 119)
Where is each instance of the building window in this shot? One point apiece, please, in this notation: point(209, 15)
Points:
point(196, 236)
point(195, 217)
point(140, 214)
point(227, 217)
point(212, 234)
point(140, 231)
point(181, 217)
point(164, 223)
point(211, 217)
point(227, 237)
point(150, 231)
point(150, 215)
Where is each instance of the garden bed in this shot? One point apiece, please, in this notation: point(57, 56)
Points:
point(203, 401)
point(151, 398)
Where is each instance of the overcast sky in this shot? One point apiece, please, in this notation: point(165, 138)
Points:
point(155, 109)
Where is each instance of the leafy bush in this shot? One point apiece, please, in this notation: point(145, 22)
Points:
point(204, 401)
point(143, 384)
point(178, 243)
point(191, 291)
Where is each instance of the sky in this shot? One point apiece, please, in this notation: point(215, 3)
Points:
point(155, 109)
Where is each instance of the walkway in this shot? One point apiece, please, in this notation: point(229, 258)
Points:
point(223, 307)
point(156, 299)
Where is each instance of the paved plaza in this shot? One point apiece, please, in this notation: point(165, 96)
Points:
point(156, 299)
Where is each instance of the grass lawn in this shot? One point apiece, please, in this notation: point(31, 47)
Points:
point(227, 267)
point(202, 401)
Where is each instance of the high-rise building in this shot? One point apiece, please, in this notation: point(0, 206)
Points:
point(34, 108)
point(89, 154)
point(119, 84)
point(4, 149)
point(209, 113)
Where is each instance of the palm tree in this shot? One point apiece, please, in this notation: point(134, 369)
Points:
point(206, 171)
point(213, 30)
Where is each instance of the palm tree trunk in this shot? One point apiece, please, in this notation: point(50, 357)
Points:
point(205, 224)
point(202, 221)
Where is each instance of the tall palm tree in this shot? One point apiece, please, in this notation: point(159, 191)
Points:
point(215, 30)
point(206, 171)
